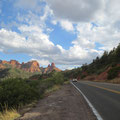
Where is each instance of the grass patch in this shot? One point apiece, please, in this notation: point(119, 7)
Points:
point(52, 89)
point(25, 108)
point(66, 82)
point(115, 81)
point(9, 114)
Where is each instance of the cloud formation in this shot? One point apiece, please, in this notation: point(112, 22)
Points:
point(96, 23)
point(67, 25)
point(26, 4)
point(38, 45)
point(75, 10)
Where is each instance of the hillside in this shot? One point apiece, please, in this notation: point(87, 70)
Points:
point(104, 68)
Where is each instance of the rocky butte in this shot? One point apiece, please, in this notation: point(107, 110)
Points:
point(31, 66)
point(50, 68)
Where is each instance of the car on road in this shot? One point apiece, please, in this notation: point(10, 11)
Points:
point(74, 80)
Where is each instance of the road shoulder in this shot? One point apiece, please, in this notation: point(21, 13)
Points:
point(64, 104)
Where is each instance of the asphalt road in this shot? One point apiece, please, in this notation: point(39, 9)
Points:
point(105, 98)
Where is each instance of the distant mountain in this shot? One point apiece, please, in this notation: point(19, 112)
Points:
point(32, 66)
point(50, 68)
point(14, 68)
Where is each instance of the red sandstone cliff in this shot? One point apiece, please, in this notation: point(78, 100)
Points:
point(32, 66)
point(2, 67)
point(51, 68)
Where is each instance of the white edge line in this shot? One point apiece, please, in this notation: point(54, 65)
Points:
point(90, 104)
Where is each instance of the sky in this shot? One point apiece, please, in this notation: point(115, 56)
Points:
point(69, 33)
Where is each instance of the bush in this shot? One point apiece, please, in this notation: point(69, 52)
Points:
point(83, 76)
point(112, 73)
point(14, 92)
point(58, 78)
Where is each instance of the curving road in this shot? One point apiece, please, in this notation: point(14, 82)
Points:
point(105, 98)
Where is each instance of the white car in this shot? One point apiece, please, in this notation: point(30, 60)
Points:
point(74, 80)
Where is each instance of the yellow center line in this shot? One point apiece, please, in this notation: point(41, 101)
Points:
point(114, 91)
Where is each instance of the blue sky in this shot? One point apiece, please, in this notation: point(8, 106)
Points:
point(70, 33)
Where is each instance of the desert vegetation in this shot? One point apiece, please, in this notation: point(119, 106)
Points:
point(16, 92)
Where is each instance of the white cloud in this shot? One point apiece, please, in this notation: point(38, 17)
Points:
point(42, 62)
point(106, 35)
point(31, 19)
point(103, 28)
point(113, 9)
point(68, 67)
point(35, 44)
point(47, 12)
point(26, 4)
point(76, 10)
point(38, 45)
point(67, 25)
point(54, 22)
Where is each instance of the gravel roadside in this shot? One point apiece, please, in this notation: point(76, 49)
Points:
point(64, 104)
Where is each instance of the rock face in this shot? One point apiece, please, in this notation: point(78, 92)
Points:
point(5, 62)
point(1, 66)
point(51, 68)
point(15, 63)
point(103, 76)
point(32, 66)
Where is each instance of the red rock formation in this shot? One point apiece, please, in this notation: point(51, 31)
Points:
point(103, 75)
point(53, 65)
point(50, 68)
point(46, 69)
point(5, 62)
point(11, 62)
point(2, 63)
point(32, 66)
point(15, 63)
point(2, 67)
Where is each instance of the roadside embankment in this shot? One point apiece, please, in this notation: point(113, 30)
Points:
point(64, 104)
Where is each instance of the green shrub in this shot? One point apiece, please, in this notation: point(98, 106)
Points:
point(14, 92)
point(113, 72)
point(83, 76)
point(58, 78)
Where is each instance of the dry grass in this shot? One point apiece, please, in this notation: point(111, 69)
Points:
point(9, 115)
point(54, 88)
point(66, 82)
point(115, 81)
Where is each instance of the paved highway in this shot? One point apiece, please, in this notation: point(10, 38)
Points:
point(105, 98)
